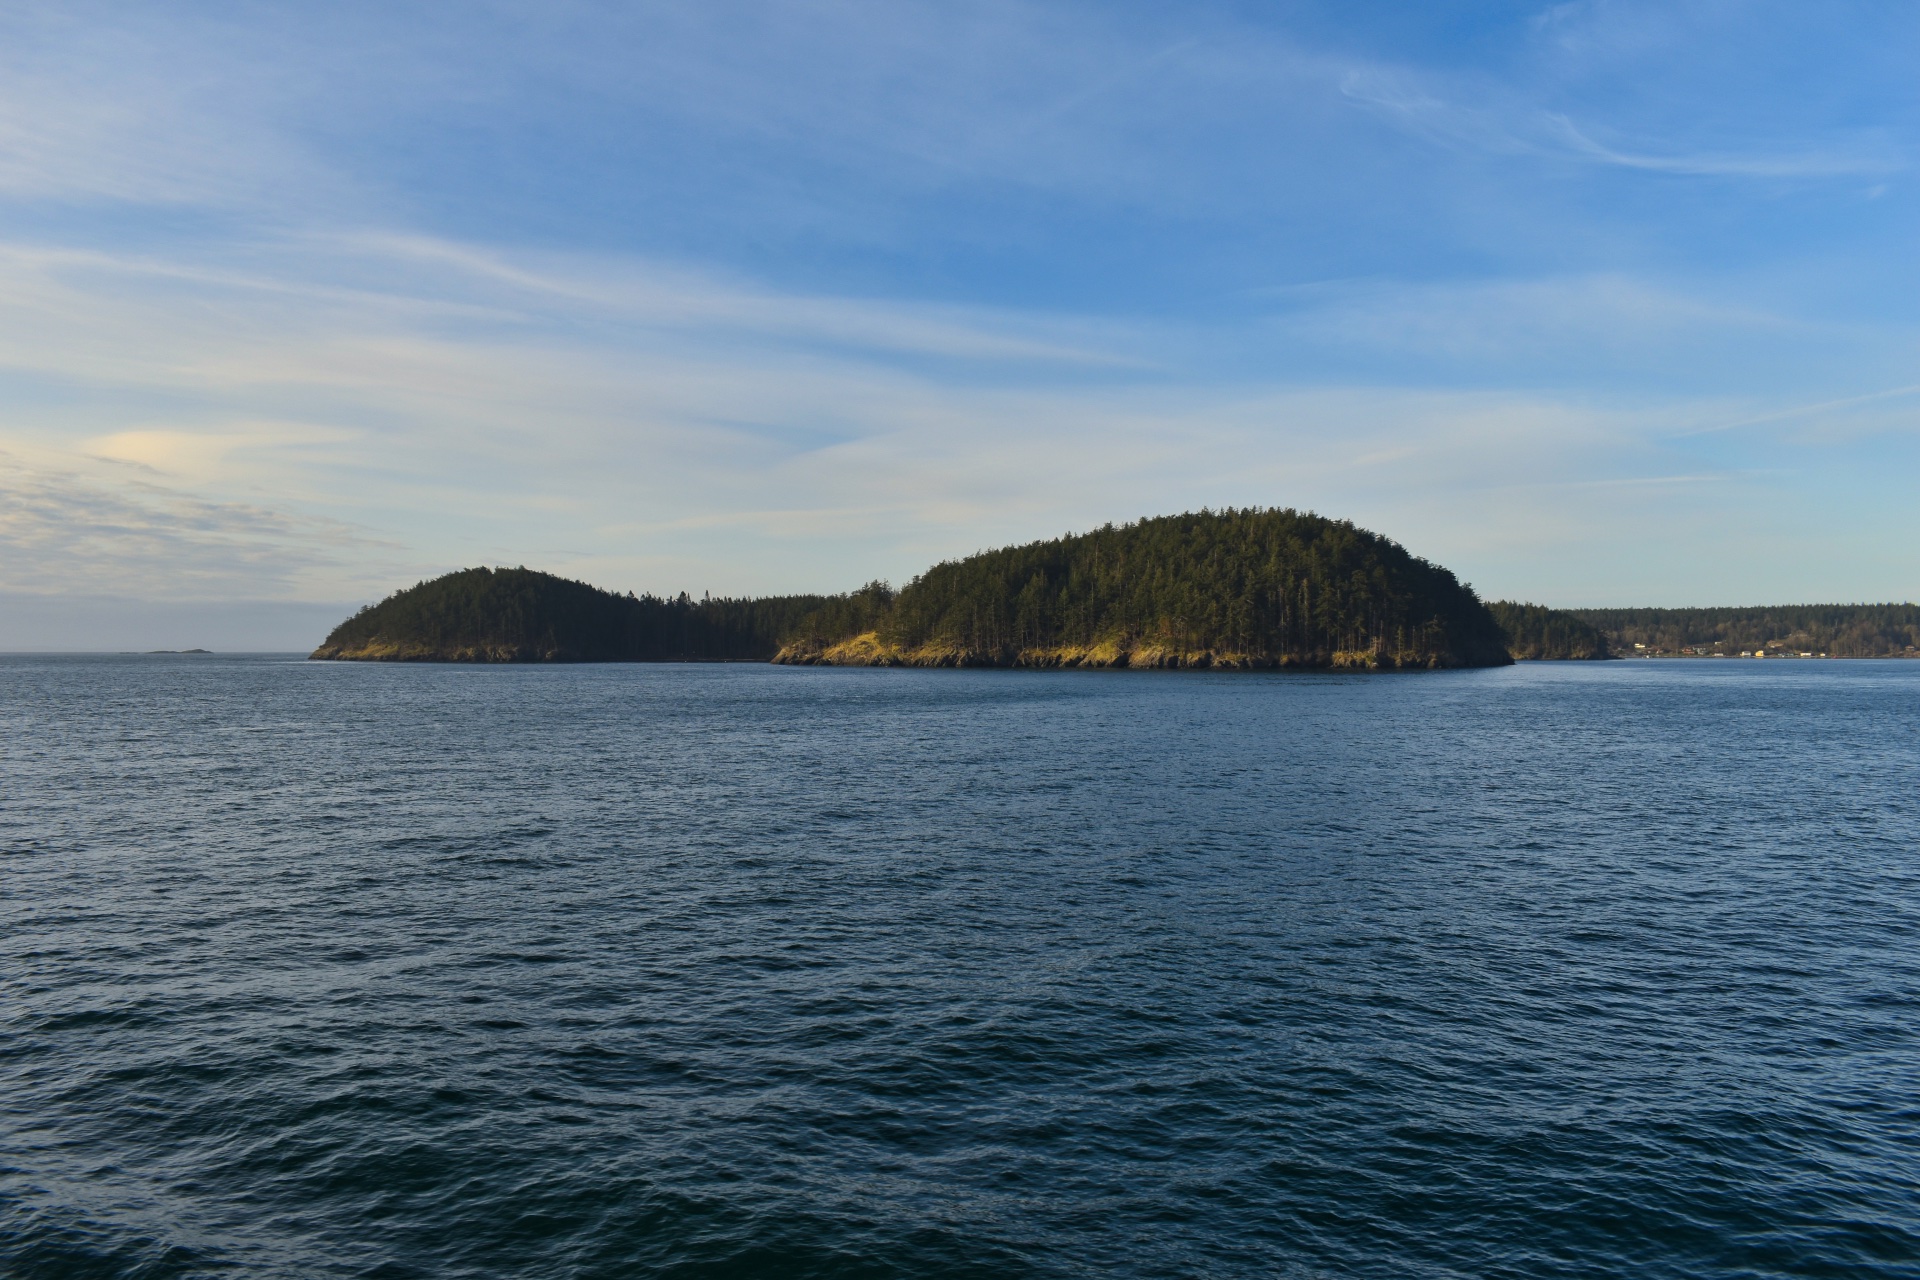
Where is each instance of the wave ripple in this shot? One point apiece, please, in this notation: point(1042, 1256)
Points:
point(316, 970)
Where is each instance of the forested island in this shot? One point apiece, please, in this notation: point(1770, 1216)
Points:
point(1260, 588)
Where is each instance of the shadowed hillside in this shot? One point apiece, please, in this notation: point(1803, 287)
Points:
point(1535, 631)
point(520, 615)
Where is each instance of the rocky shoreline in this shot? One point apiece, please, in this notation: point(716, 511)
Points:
point(869, 650)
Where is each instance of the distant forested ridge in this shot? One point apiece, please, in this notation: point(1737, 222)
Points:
point(521, 615)
point(1233, 588)
point(1834, 630)
point(1535, 631)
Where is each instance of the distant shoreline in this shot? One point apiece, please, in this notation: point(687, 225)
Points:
point(1770, 657)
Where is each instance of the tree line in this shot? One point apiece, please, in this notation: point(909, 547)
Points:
point(1535, 631)
point(1838, 630)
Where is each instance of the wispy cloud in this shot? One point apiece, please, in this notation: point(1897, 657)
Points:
point(770, 295)
point(1828, 410)
point(1501, 124)
point(642, 294)
point(63, 532)
point(1839, 161)
point(1558, 321)
point(144, 109)
point(354, 408)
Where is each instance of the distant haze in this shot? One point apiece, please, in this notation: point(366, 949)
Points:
point(91, 624)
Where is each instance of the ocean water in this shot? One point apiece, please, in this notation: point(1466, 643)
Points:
point(1582, 970)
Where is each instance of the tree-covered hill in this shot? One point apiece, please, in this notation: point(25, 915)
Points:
point(1535, 631)
point(1247, 588)
point(1837, 630)
point(520, 615)
point(1253, 588)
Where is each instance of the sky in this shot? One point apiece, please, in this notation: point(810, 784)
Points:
point(1595, 303)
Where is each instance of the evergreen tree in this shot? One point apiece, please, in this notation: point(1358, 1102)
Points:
point(1534, 631)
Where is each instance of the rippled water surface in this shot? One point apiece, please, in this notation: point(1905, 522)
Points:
point(1584, 970)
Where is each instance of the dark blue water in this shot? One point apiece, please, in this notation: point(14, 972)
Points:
point(1564, 970)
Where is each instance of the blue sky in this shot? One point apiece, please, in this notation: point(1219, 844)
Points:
point(1595, 303)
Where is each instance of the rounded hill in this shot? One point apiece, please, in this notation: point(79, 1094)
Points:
point(522, 615)
point(1232, 588)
